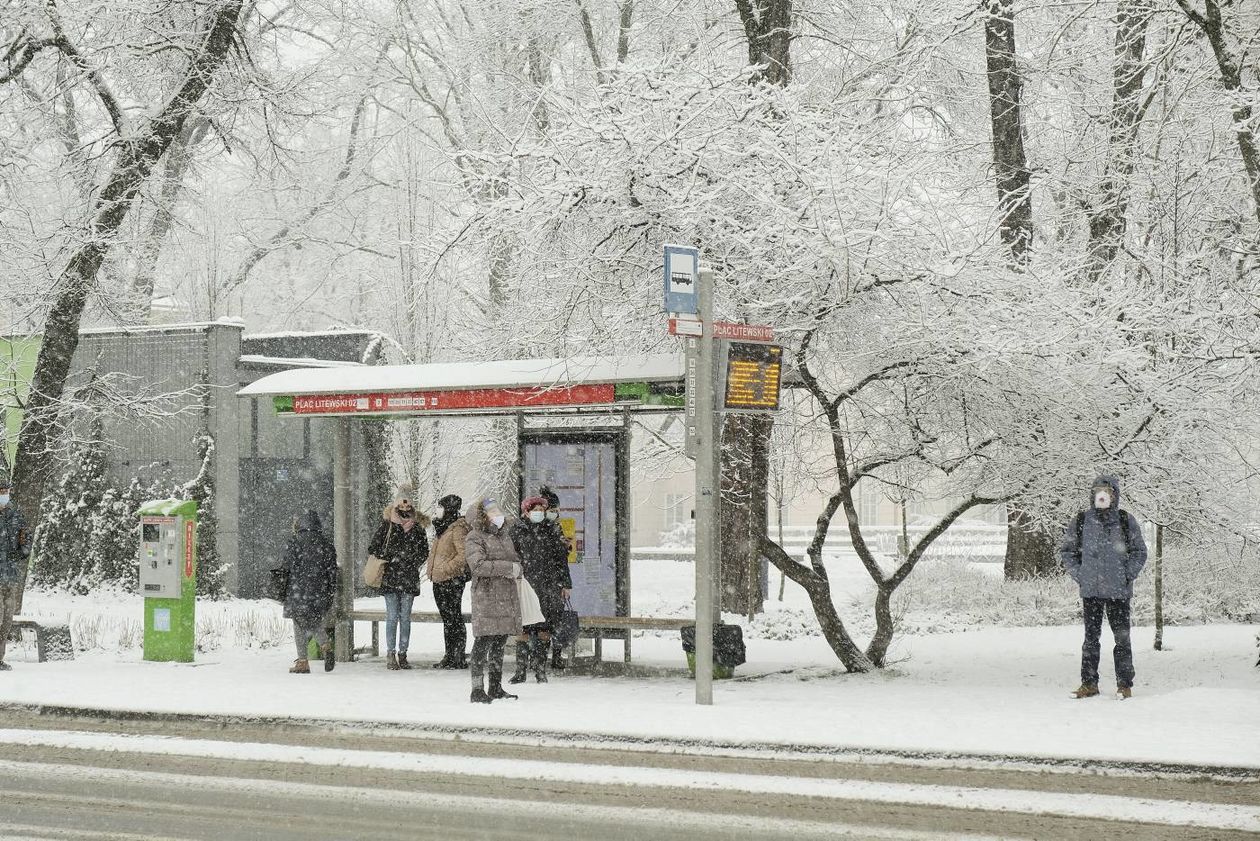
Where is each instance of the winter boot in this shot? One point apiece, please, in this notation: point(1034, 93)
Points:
point(330, 658)
point(402, 661)
point(1086, 690)
point(391, 662)
point(479, 695)
point(1124, 692)
point(557, 658)
point(496, 688)
point(5, 667)
point(444, 663)
point(522, 662)
point(540, 660)
point(459, 661)
point(300, 667)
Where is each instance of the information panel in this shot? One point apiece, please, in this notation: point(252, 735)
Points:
point(753, 375)
point(584, 475)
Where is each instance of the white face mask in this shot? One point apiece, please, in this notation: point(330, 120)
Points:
point(1102, 499)
point(4, 499)
point(498, 520)
point(537, 516)
point(553, 515)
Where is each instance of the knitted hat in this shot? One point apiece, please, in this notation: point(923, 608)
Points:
point(450, 502)
point(531, 502)
point(405, 491)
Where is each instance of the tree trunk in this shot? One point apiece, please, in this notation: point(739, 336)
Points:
point(1107, 219)
point(1010, 163)
point(1159, 587)
point(1213, 26)
point(745, 467)
point(818, 588)
point(1030, 551)
point(768, 31)
point(136, 160)
point(877, 650)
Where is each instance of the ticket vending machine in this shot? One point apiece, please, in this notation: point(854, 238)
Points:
point(168, 579)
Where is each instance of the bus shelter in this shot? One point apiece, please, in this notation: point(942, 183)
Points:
point(587, 463)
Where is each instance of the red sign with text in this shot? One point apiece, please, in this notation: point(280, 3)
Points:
point(445, 401)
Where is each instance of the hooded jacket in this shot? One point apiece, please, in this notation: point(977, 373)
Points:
point(495, 566)
point(1097, 555)
point(312, 564)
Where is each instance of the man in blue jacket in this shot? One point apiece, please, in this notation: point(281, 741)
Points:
point(15, 548)
point(1104, 552)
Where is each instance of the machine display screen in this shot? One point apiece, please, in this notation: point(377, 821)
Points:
point(753, 375)
point(150, 532)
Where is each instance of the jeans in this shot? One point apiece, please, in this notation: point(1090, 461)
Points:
point(1118, 614)
point(449, 596)
point(487, 651)
point(8, 606)
point(303, 634)
point(398, 621)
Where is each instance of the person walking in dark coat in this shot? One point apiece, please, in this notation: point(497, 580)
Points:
point(448, 570)
point(1104, 552)
point(544, 555)
point(311, 563)
point(496, 604)
point(401, 542)
point(15, 548)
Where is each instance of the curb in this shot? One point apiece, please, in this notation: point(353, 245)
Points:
point(609, 741)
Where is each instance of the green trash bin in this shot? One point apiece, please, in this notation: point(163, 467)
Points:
point(728, 649)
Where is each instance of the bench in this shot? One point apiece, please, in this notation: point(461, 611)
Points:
point(593, 627)
point(52, 642)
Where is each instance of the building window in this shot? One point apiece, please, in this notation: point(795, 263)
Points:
point(868, 506)
point(677, 509)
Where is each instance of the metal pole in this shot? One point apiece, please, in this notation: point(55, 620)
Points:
point(706, 493)
point(341, 539)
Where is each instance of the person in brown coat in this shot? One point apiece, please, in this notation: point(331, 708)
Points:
point(496, 605)
point(448, 570)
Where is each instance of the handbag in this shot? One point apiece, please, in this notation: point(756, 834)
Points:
point(531, 609)
point(278, 584)
point(374, 569)
point(569, 628)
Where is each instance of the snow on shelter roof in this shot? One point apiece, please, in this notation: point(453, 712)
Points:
point(459, 376)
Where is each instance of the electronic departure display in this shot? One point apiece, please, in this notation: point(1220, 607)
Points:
point(753, 376)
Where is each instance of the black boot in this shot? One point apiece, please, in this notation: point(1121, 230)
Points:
point(557, 658)
point(522, 662)
point(540, 660)
point(479, 695)
point(496, 688)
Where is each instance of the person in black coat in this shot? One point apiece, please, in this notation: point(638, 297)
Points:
point(544, 557)
point(311, 564)
point(401, 542)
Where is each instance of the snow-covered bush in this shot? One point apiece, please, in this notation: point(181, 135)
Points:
point(679, 536)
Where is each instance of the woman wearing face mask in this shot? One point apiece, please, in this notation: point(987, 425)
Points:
point(545, 560)
point(496, 607)
point(401, 542)
point(448, 571)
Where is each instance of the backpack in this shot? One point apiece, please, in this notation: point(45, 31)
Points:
point(1079, 524)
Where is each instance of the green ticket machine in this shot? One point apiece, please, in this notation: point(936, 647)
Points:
point(168, 579)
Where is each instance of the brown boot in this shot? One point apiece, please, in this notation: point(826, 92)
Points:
point(1124, 692)
point(1086, 690)
point(300, 667)
point(402, 662)
point(391, 662)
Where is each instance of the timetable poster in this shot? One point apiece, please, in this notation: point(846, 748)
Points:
point(583, 475)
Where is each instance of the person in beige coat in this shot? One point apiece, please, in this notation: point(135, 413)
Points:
point(496, 605)
point(448, 570)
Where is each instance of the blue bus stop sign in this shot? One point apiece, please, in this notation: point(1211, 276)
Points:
point(682, 276)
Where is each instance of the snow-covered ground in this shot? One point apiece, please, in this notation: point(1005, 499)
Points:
point(990, 690)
